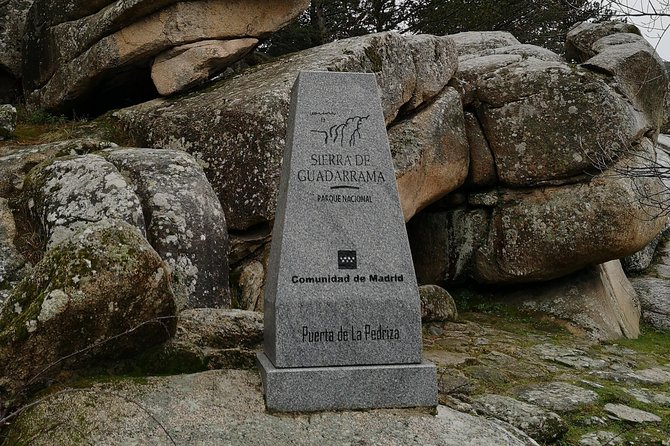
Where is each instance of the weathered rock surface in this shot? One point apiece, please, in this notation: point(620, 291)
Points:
point(540, 424)
point(654, 295)
point(227, 407)
point(485, 351)
point(13, 13)
point(17, 161)
point(513, 236)
point(7, 121)
point(649, 397)
point(601, 438)
point(523, 50)
point(207, 339)
point(560, 397)
point(474, 354)
point(474, 42)
point(572, 357)
point(597, 303)
point(525, 97)
point(653, 288)
point(186, 66)
point(102, 293)
point(12, 263)
point(251, 283)
point(652, 376)
point(444, 242)
point(437, 304)
point(479, 44)
point(66, 60)
point(430, 153)
point(620, 51)
point(482, 166)
point(648, 377)
point(633, 415)
point(660, 267)
point(550, 232)
point(185, 222)
point(474, 68)
point(518, 102)
point(221, 126)
point(599, 300)
point(638, 262)
point(529, 104)
point(249, 257)
point(580, 40)
point(66, 194)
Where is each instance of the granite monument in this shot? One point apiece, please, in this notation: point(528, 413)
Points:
point(342, 310)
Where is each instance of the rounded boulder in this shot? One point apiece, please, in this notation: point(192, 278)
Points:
point(101, 294)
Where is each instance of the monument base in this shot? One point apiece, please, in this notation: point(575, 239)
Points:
point(311, 389)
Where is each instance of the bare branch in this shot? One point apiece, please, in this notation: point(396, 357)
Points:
point(639, 166)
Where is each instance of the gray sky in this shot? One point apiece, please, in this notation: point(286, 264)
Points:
point(654, 28)
point(659, 40)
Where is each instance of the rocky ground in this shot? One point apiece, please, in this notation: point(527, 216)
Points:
point(496, 373)
point(552, 385)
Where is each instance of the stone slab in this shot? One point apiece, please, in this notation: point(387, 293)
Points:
point(225, 407)
point(308, 389)
point(631, 414)
point(341, 288)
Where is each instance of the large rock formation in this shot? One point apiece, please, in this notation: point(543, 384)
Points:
point(584, 201)
point(525, 102)
point(513, 166)
point(237, 128)
point(500, 124)
point(631, 64)
point(163, 193)
point(75, 48)
point(510, 236)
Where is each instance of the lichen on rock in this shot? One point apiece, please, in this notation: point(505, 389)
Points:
point(100, 294)
point(65, 194)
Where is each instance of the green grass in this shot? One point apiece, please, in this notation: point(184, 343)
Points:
point(582, 422)
point(38, 117)
point(650, 342)
point(40, 127)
